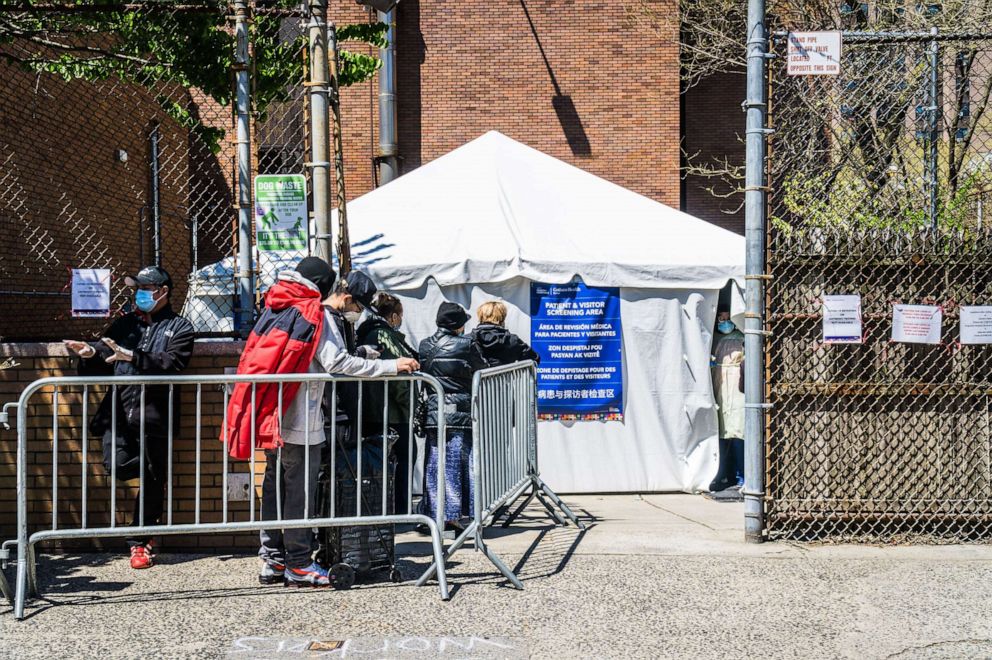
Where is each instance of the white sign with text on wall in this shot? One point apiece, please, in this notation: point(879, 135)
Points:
point(842, 319)
point(814, 54)
point(916, 324)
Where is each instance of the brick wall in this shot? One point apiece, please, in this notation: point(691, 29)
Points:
point(67, 200)
point(714, 131)
point(577, 79)
point(35, 361)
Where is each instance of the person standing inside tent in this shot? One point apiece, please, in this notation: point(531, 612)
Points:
point(453, 359)
point(295, 334)
point(381, 331)
point(728, 356)
point(499, 346)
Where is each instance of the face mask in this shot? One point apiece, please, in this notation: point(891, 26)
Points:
point(396, 322)
point(352, 317)
point(145, 300)
point(725, 327)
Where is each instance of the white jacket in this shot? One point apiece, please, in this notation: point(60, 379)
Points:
point(728, 352)
point(332, 357)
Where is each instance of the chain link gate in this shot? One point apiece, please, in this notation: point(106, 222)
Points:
point(878, 185)
point(118, 149)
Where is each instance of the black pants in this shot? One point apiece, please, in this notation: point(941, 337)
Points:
point(128, 462)
point(401, 450)
point(731, 470)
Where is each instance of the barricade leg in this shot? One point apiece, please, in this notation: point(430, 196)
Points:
point(520, 509)
point(550, 509)
point(5, 588)
point(543, 487)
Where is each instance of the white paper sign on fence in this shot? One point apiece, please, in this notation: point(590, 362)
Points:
point(842, 319)
point(814, 53)
point(91, 293)
point(976, 325)
point(916, 324)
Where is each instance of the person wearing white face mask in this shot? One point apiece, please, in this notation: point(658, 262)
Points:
point(728, 356)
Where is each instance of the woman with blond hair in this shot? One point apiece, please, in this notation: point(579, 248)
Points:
point(499, 346)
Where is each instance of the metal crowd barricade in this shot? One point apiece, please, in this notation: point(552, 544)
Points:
point(26, 582)
point(504, 458)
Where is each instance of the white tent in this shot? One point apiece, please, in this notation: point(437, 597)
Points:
point(485, 220)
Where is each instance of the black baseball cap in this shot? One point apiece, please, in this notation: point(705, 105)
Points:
point(361, 287)
point(150, 275)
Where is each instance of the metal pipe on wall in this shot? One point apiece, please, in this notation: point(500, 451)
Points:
point(153, 139)
point(246, 281)
point(318, 89)
point(756, 107)
point(388, 140)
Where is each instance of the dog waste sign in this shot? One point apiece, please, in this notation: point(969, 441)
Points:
point(280, 212)
point(814, 54)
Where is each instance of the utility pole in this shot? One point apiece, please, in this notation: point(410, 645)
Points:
point(756, 107)
point(344, 242)
point(244, 312)
point(319, 90)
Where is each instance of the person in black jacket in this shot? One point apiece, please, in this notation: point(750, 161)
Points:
point(499, 345)
point(381, 331)
point(153, 340)
point(453, 359)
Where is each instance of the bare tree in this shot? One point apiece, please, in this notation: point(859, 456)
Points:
point(859, 134)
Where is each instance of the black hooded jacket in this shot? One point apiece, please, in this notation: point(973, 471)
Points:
point(452, 359)
point(162, 345)
point(500, 346)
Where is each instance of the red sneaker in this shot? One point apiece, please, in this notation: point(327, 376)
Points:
point(140, 557)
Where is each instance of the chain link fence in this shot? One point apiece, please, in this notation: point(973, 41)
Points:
point(878, 185)
point(117, 150)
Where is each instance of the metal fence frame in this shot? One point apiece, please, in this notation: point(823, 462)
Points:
point(933, 401)
point(26, 582)
point(504, 458)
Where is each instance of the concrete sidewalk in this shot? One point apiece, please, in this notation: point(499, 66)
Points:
point(654, 576)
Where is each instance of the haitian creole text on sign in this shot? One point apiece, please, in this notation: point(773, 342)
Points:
point(91, 293)
point(842, 320)
point(916, 324)
point(577, 332)
point(281, 212)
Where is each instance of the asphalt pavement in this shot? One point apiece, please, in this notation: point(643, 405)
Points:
point(658, 576)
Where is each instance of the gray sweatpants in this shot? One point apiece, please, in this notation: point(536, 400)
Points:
point(291, 547)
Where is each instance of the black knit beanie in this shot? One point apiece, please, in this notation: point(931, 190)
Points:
point(451, 316)
point(319, 272)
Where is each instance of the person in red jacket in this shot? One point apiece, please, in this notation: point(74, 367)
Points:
point(295, 334)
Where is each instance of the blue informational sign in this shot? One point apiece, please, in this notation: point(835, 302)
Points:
point(576, 330)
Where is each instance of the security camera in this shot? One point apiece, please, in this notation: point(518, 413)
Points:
point(378, 5)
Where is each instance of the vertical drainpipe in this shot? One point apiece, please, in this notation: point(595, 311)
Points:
point(388, 142)
point(156, 204)
point(246, 304)
point(756, 106)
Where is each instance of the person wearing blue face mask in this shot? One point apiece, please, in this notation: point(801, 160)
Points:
point(728, 358)
point(151, 340)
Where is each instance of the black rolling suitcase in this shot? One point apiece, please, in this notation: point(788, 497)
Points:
point(361, 550)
